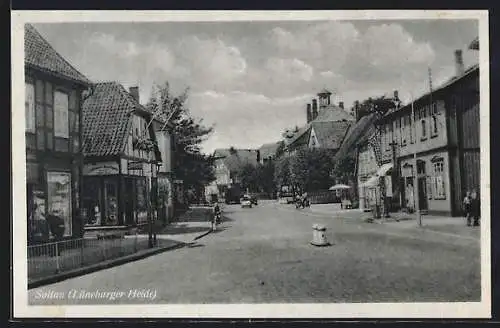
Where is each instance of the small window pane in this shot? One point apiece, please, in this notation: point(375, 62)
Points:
point(39, 115)
point(71, 121)
point(61, 122)
point(50, 140)
point(49, 117)
point(40, 139)
point(72, 100)
point(48, 93)
point(39, 91)
point(76, 144)
point(29, 105)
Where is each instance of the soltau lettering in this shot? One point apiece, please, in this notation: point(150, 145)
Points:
point(49, 295)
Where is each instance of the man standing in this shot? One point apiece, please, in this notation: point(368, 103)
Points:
point(475, 207)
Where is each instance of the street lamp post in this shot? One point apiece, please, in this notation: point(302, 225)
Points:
point(415, 179)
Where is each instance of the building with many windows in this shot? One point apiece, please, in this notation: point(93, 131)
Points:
point(444, 134)
point(53, 92)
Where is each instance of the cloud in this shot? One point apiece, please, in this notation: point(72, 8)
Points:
point(153, 56)
point(244, 119)
point(210, 62)
point(289, 70)
point(381, 52)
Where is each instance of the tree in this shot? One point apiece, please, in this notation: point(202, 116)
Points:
point(282, 172)
point(249, 177)
point(379, 105)
point(190, 165)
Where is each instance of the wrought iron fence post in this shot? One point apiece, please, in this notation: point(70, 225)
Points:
point(135, 242)
point(57, 257)
point(103, 249)
point(82, 243)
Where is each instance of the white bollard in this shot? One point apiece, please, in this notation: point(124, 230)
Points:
point(319, 236)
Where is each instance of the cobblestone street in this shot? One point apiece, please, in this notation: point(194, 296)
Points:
point(264, 255)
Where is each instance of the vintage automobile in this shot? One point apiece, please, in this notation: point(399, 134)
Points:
point(246, 201)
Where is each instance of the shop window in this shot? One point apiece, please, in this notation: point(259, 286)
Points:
point(141, 201)
point(439, 180)
point(38, 230)
point(61, 120)
point(110, 203)
point(59, 198)
point(29, 106)
point(91, 201)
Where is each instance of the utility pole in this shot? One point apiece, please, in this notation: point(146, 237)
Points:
point(415, 179)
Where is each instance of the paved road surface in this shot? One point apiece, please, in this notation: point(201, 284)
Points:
point(263, 255)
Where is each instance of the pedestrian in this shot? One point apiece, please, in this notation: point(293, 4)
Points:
point(475, 208)
point(466, 204)
point(216, 215)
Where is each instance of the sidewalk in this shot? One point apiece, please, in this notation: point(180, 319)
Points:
point(453, 226)
point(185, 232)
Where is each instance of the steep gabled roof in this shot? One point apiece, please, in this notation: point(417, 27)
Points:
point(235, 161)
point(357, 134)
point(330, 134)
point(269, 149)
point(106, 119)
point(333, 113)
point(39, 54)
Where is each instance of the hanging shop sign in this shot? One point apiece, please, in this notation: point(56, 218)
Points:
point(104, 168)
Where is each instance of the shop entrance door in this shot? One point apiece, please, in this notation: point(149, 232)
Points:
point(422, 186)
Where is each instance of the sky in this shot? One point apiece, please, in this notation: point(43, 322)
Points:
point(252, 80)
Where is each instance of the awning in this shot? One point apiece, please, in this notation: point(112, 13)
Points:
point(384, 169)
point(372, 182)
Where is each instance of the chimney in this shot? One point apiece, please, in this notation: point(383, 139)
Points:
point(314, 109)
point(134, 91)
point(459, 63)
point(341, 104)
point(356, 110)
point(396, 95)
point(309, 113)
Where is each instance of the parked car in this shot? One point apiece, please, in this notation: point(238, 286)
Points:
point(246, 201)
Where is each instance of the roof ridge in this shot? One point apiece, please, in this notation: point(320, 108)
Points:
point(38, 34)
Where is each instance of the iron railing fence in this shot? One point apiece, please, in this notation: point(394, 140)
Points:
point(45, 260)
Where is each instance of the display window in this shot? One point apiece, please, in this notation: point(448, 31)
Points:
point(59, 198)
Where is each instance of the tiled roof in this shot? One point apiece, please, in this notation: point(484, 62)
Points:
point(331, 134)
point(268, 150)
point(39, 54)
point(235, 161)
point(106, 119)
point(333, 113)
point(357, 134)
